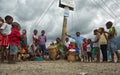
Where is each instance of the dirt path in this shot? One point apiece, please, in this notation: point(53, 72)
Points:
point(60, 67)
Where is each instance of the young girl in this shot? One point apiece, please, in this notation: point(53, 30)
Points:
point(103, 43)
point(35, 36)
point(14, 42)
point(34, 50)
point(84, 52)
point(89, 48)
point(71, 52)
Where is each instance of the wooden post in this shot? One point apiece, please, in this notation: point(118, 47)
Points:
point(64, 29)
point(67, 5)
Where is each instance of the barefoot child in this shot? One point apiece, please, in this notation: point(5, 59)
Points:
point(84, 52)
point(96, 45)
point(89, 48)
point(112, 46)
point(14, 42)
point(34, 50)
point(42, 42)
point(103, 40)
point(35, 36)
point(5, 31)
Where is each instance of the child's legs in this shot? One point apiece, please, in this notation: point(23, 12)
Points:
point(13, 52)
point(97, 53)
point(88, 53)
point(3, 53)
point(104, 52)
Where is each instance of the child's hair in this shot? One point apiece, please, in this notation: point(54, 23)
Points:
point(15, 25)
point(89, 40)
point(1, 20)
point(42, 31)
point(95, 30)
point(77, 32)
point(8, 17)
point(102, 29)
point(24, 31)
point(109, 23)
point(84, 39)
point(35, 30)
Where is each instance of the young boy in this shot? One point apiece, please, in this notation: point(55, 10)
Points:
point(42, 42)
point(112, 41)
point(96, 45)
point(79, 41)
point(14, 42)
point(24, 39)
point(5, 31)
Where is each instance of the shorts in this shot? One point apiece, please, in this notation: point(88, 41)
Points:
point(97, 50)
point(84, 53)
point(13, 49)
point(42, 48)
point(46, 53)
point(5, 41)
point(112, 46)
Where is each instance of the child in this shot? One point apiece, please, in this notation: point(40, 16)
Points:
point(42, 42)
point(14, 42)
point(24, 39)
point(66, 46)
point(84, 52)
point(1, 23)
point(34, 49)
point(103, 43)
point(5, 31)
point(35, 36)
point(112, 46)
point(89, 48)
point(60, 47)
point(67, 42)
point(96, 45)
point(71, 52)
point(71, 46)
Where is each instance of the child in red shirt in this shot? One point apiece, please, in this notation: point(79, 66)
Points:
point(14, 42)
point(84, 52)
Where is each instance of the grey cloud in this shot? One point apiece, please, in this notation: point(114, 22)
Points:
point(88, 15)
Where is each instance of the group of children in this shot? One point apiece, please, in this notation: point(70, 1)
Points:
point(104, 42)
point(9, 39)
point(13, 44)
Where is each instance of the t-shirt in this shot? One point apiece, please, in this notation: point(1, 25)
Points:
point(15, 37)
point(96, 44)
point(24, 41)
point(85, 46)
point(110, 30)
point(67, 44)
point(42, 40)
point(89, 48)
point(102, 39)
point(36, 48)
point(78, 39)
point(6, 29)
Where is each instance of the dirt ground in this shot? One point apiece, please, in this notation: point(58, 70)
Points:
point(60, 67)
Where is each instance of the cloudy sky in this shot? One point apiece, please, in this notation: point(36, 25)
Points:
point(46, 14)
